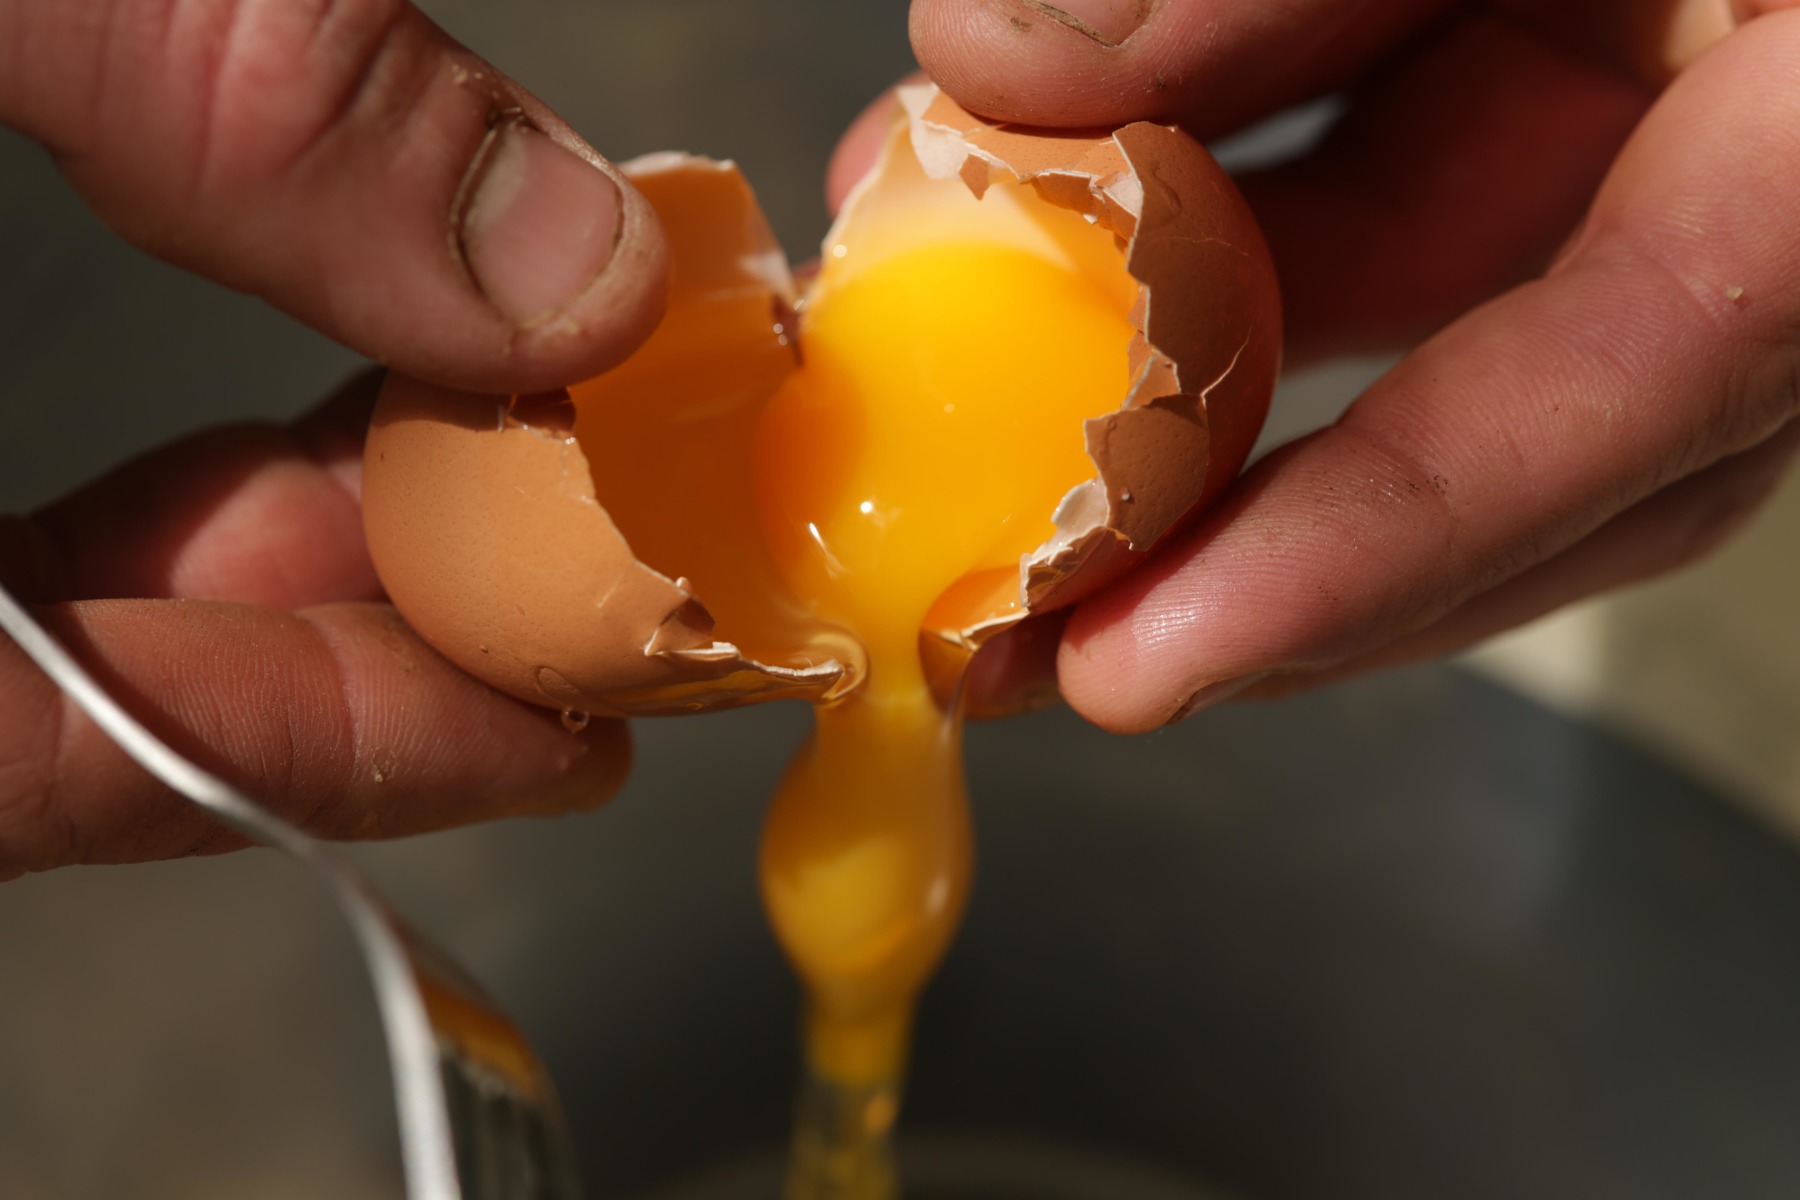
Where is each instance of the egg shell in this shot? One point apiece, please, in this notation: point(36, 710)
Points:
point(1208, 320)
point(481, 517)
point(481, 511)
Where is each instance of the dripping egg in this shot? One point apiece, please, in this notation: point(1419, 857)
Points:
point(1025, 360)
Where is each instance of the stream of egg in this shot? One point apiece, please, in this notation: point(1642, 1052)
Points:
point(933, 428)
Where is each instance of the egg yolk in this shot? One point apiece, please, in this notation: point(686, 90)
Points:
point(933, 426)
point(831, 498)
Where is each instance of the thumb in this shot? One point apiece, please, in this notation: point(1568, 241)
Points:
point(1216, 64)
point(349, 162)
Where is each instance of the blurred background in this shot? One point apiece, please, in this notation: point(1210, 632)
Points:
point(1519, 926)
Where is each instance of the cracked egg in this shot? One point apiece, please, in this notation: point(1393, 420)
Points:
point(1027, 357)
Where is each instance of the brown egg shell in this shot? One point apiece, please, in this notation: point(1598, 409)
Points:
point(519, 577)
point(483, 525)
point(481, 510)
point(1208, 321)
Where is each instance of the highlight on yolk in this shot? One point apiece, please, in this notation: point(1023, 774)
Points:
point(930, 431)
point(933, 425)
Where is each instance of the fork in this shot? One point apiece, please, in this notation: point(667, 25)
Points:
point(478, 1117)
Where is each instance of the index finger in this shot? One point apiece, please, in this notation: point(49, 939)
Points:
point(337, 717)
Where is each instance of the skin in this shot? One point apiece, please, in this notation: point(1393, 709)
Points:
point(1584, 220)
point(314, 154)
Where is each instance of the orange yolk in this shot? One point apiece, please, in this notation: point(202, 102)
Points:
point(829, 510)
point(933, 426)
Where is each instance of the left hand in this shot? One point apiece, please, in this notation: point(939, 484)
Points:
point(254, 640)
point(352, 164)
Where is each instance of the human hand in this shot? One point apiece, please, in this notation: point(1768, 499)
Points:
point(351, 164)
point(1558, 430)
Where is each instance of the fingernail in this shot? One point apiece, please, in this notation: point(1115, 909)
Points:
point(1215, 693)
point(536, 224)
point(1108, 22)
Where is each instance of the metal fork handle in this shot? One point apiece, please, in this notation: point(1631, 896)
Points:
point(426, 1150)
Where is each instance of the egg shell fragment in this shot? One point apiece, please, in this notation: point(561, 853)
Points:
point(481, 511)
point(1203, 364)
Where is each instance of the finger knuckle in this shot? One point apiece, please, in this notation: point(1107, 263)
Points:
point(1389, 472)
point(1756, 338)
point(289, 74)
